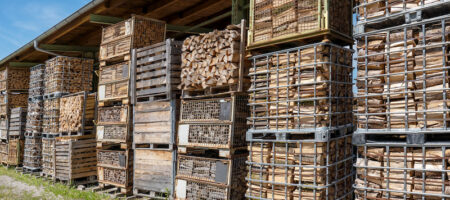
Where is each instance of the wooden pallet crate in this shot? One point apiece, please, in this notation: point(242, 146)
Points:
point(113, 124)
point(77, 114)
point(119, 39)
point(35, 116)
point(215, 170)
point(65, 75)
point(114, 81)
point(36, 87)
point(298, 21)
point(10, 100)
point(193, 189)
point(155, 123)
point(76, 159)
point(158, 71)
point(154, 172)
point(219, 123)
point(32, 158)
point(15, 151)
point(3, 152)
point(17, 122)
point(50, 122)
point(213, 63)
point(115, 167)
point(14, 78)
point(4, 126)
point(48, 157)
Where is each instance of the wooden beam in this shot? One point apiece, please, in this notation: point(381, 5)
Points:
point(102, 19)
point(23, 64)
point(187, 29)
point(204, 9)
point(68, 48)
point(205, 23)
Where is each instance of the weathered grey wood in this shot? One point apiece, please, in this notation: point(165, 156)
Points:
point(153, 170)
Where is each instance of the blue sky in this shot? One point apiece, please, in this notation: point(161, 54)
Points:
point(23, 20)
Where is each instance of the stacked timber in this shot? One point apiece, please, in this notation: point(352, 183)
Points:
point(10, 100)
point(32, 161)
point(288, 21)
point(76, 159)
point(13, 79)
point(48, 156)
point(77, 113)
point(15, 151)
point(115, 90)
point(3, 152)
point(17, 122)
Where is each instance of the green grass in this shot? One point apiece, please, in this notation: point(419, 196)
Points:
point(59, 190)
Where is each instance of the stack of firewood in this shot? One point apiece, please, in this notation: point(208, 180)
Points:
point(76, 110)
point(211, 59)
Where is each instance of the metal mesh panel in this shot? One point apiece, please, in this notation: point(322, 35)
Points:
point(48, 148)
point(35, 116)
point(300, 169)
point(209, 134)
point(115, 175)
point(403, 78)
point(201, 110)
point(305, 87)
point(37, 74)
point(110, 158)
point(195, 190)
point(50, 122)
point(402, 172)
point(263, 20)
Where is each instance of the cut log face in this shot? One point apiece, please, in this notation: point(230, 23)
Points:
point(50, 123)
point(14, 78)
point(76, 110)
point(33, 153)
point(210, 60)
point(35, 116)
point(37, 75)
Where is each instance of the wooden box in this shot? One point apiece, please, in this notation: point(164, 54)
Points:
point(76, 158)
point(50, 122)
point(136, 32)
point(14, 78)
point(77, 113)
point(214, 170)
point(3, 152)
point(17, 122)
point(64, 75)
point(114, 81)
point(10, 100)
point(155, 122)
point(118, 133)
point(154, 173)
point(48, 157)
point(115, 167)
point(297, 20)
point(36, 88)
point(186, 189)
point(213, 63)
point(35, 117)
point(158, 70)
point(219, 123)
point(32, 158)
point(15, 151)
point(113, 115)
point(4, 126)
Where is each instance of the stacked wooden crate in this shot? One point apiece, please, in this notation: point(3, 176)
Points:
point(16, 136)
point(64, 76)
point(301, 124)
point(155, 115)
point(32, 161)
point(114, 135)
point(403, 84)
point(213, 117)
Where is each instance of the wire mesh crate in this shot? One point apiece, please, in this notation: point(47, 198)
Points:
point(402, 171)
point(403, 80)
point(115, 167)
point(50, 122)
point(12, 78)
point(218, 123)
point(33, 153)
point(376, 14)
point(301, 90)
point(10, 100)
point(300, 169)
point(64, 75)
point(284, 21)
point(48, 156)
point(35, 116)
point(36, 88)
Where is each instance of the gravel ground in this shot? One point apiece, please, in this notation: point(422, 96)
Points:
point(10, 188)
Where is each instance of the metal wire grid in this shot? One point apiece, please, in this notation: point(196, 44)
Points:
point(402, 171)
point(50, 122)
point(372, 11)
point(398, 90)
point(62, 73)
point(48, 148)
point(35, 116)
point(300, 169)
point(37, 75)
point(32, 153)
point(115, 132)
point(303, 89)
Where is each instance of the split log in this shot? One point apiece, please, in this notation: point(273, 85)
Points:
point(14, 78)
point(74, 110)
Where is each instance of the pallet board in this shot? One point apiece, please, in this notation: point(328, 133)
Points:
point(76, 159)
point(15, 151)
point(153, 172)
point(64, 75)
point(3, 152)
point(158, 70)
point(290, 21)
point(77, 113)
point(155, 122)
point(219, 123)
point(14, 78)
point(119, 39)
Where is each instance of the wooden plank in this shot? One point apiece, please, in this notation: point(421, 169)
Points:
point(153, 170)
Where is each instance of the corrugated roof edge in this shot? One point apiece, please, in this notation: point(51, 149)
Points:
point(50, 31)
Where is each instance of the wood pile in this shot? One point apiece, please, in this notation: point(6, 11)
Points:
point(402, 182)
point(115, 167)
point(211, 59)
point(48, 157)
point(376, 9)
point(32, 153)
point(64, 75)
point(307, 163)
point(119, 39)
point(14, 78)
point(10, 100)
point(278, 20)
point(3, 152)
point(37, 75)
point(15, 151)
point(113, 115)
point(113, 133)
point(289, 91)
point(76, 158)
point(50, 123)
point(158, 70)
point(77, 112)
point(35, 116)
point(17, 121)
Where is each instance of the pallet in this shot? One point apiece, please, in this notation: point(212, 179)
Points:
point(47, 176)
point(115, 60)
point(14, 78)
point(153, 146)
point(151, 194)
point(90, 180)
point(121, 145)
point(32, 134)
point(36, 98)
point(319, 134)
point(211, 92)
point(399, 138)
point(112, 191)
